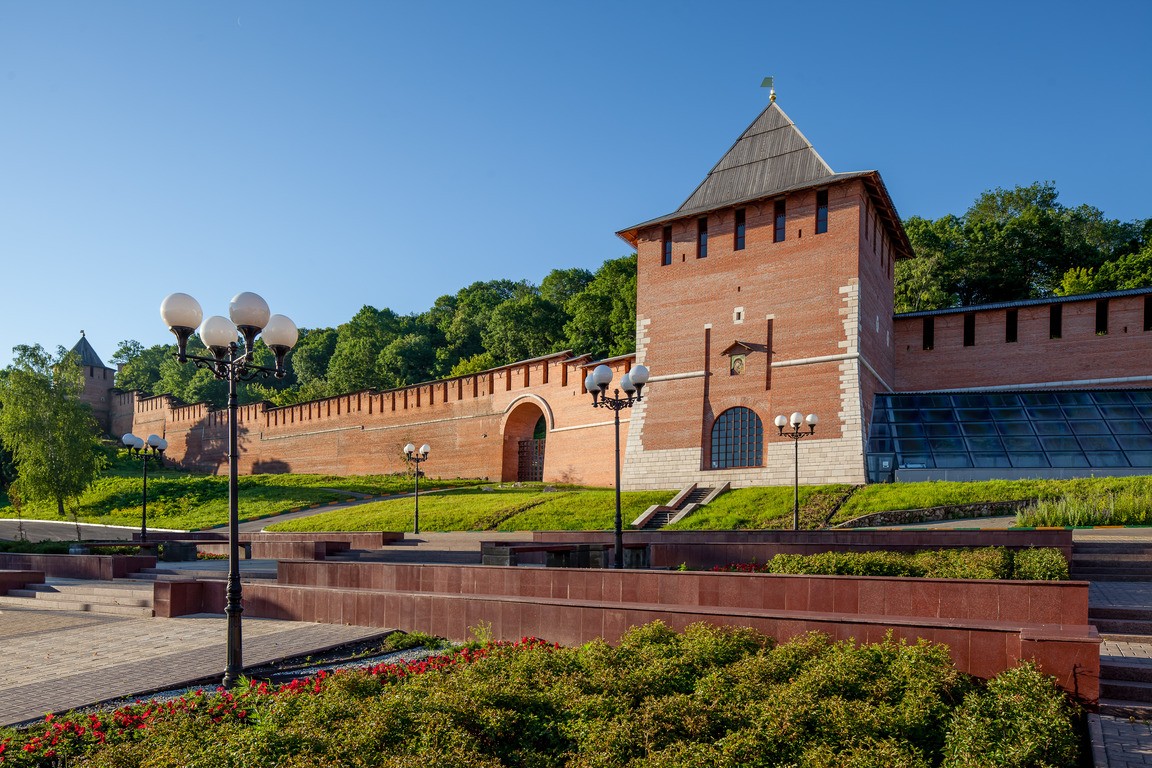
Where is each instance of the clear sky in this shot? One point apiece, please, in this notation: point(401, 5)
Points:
point(332, 154)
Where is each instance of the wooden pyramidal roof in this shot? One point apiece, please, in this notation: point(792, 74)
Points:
point(772, 157)
point(87, 355)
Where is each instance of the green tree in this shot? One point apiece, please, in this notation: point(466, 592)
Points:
point(139, 368)
point(522, 328)
point(560, 285)
point(603, 315)
point(408, 359)
point(1010, 244)
point(1133, 270)
point(359, 342)
point(49, 431)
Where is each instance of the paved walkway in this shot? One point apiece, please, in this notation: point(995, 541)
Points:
point(54, 661)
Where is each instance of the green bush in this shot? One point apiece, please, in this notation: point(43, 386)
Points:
point(1019, 719)
point(707, 696)
point(1046, 564)
point(979, 563)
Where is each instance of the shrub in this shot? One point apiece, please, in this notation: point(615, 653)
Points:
point(981, 563)
point(1047, 564)
point(1020, 719)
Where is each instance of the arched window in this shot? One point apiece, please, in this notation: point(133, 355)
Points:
point(737, 439)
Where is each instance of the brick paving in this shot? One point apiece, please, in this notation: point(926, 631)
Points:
point(54, 661)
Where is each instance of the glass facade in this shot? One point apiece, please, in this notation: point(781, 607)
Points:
point(972, 435)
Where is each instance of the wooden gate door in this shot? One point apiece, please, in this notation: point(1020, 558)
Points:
point(530, 467)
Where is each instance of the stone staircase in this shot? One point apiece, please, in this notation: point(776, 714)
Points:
point(1126, 630)
point(1111, 561)
point(120, 597)
point(685, 503)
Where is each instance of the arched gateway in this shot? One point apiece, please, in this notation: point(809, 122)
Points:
point(526, 427)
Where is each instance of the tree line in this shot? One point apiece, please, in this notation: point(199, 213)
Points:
point(1020, 243)
point(481, 326)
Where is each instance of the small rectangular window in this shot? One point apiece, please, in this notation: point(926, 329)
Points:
point(701, 238)
point(821, 211)
point(970, 329)
point(1055, 321)
point(1011, 322)
point(667, 243)
point(778, 227)
point(1102, 317)
point(738, 233)
point(1148, 313)
point(929, 332)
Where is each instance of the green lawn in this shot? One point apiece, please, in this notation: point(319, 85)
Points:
point(185, 501)
point(529, 507)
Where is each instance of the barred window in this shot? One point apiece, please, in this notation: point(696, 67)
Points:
point(737, 439)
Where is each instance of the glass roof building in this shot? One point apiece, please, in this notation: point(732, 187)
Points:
point(983, 435)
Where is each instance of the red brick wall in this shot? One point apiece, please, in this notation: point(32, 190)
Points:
point(471, 435)
point(1079, 358)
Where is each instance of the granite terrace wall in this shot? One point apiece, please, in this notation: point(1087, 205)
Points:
point(19, 579)
point(78, 566)
point(703, 549)
point(989, 626)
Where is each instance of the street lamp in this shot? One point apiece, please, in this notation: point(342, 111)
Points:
point(417, 456)
point(632, 383)
point(138, 448)
point(795, 421)
point(250, 318)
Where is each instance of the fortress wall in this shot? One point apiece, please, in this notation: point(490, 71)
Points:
point(1080, 357)
point(473, 424)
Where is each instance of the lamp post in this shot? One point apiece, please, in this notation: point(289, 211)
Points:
point(417, 456)
point(633, 384)
point(250, 318)
point(795, 421)
point(138, 448)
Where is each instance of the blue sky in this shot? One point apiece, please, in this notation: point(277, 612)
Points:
point(334, 154)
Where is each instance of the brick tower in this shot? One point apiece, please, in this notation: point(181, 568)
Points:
point(768, 291)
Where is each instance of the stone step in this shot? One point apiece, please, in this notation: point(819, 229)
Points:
point(1127, 627)
point(1099, 575)
point(1129, 612)
point(75, 596)
point(1107, 547)
point(1121, 672)
point(1094, 560)
point(1125, 708)
point(35, 604)
point(1120, 637)
point(1126, 690)
point(118, 589)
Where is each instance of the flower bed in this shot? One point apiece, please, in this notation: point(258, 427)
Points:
point(706, 696)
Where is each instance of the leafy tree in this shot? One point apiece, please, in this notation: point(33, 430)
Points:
point(139, 368)
point(1010, 244)
point(312, 354)
point(358, 344)
point(49, 431)
point(408, 359)
point(1133, 270)
point(523, 328)
point(479, 362)
point(603, 315)
point(471, 314)
point(560, 285)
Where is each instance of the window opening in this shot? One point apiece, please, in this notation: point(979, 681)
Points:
point(1055, 321)
point(737, 439)
point(1011, 323)
point(929, 332)
point(701, 238)
point(667, 243)
point(970, 329)
point(739, 231)
point(778, 227)
point(821, 211)
point(1102, 317)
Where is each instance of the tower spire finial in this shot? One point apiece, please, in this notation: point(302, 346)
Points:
point(771, 91)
